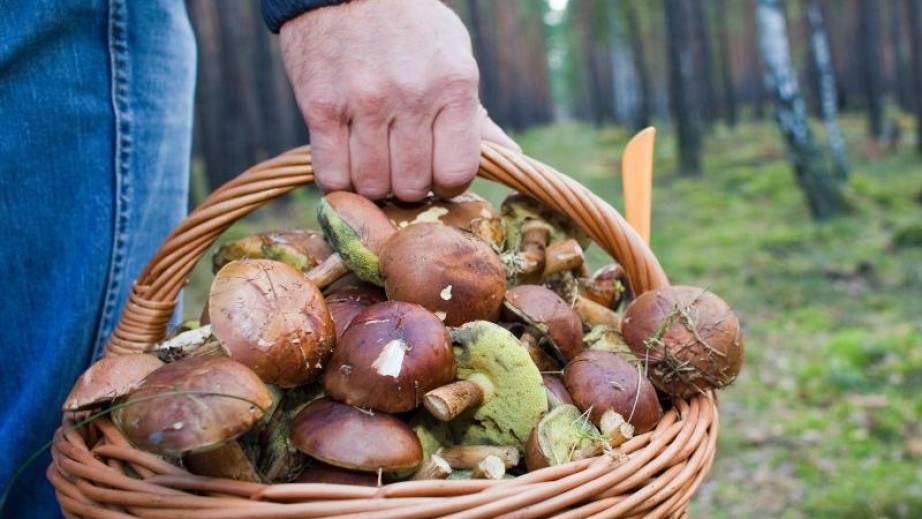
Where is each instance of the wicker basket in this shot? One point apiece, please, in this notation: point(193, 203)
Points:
point(96, 473)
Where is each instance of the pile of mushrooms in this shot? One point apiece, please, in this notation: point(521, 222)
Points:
point(437, 340)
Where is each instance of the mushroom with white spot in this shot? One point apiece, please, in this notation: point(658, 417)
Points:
point(389, 357)
point(444, 270)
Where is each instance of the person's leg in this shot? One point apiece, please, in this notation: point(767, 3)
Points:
point(95, 104)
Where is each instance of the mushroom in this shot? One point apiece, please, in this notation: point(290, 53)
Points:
point(601, 381)
point(563, 435)
point(279, 461)
point(392, 354)
point(358, 229)
point(303, 249)
point(605, 286)
point(466, 212)
point(347, 297)
point(688, 337)
point(608, 338)
point(547, 317)
point(109, 379)
point(192, 405)
point(451, 273)
point(273, 319)
point(435, 467)
point(356, 439)
point(499, 387)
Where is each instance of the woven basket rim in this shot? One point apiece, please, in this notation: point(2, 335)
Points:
point(653, 475)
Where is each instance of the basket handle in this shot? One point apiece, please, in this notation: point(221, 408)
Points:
point(150, 305)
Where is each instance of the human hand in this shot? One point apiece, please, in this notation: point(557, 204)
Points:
point(389, 90)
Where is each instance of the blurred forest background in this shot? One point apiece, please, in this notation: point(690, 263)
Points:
point(788, 179)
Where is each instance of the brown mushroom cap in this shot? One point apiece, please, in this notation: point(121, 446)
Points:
point(108, 379)
point(192, 404)
point(341, 435)
point(451, 273)
point(391, 355)
point(557, 394)
point(600, 380)
point(547, 314)
point(272, 319)
point(458, 212)
point(688, 337)
point(606, 286)
point(347, 297)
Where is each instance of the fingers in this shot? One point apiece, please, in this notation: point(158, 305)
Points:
point(456, 142)
point(329, 145)
point(411, 157)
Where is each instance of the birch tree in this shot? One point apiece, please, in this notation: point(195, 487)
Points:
point(827, 94)
point(820, 186)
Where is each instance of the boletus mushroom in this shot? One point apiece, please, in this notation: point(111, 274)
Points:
point(303, 249)
point(453, 274)
point(602, 381)
point(547, 317)
point(688, 337)
point(563, 435)
point(109, 379)
point(272, 319)
point(355, 439)
point(358, 229)
point(499, 395)
point(191, 405)
point(391, 355)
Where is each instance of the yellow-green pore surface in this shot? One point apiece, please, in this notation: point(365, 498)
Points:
point(487, 350)
point(360, 260)
point(564, 432)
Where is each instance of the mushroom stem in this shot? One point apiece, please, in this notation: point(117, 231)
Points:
point(563, 255)
point(448, 401)
point(435, 467)
point(461, 457)
point(198, 342)
point(614, 428)
point(491, 467)
point(328, 271)
point(535, 237)
point(592, 313)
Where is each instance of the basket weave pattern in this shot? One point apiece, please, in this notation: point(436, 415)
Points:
point(97, 474)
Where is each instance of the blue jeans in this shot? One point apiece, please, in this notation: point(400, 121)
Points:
point(96, 110)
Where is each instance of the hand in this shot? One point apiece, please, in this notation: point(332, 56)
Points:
point(389, 92)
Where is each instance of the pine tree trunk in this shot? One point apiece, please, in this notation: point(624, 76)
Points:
point(826, 91)
point(914, 12)
point(707, 93)
point(820, 185)
point(644, 114)
point(208, 105)
point(900, 81)
point(684, 109)
point(728, 104)
point(869, 19)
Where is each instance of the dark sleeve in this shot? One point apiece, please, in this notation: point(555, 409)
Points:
point(277, 12)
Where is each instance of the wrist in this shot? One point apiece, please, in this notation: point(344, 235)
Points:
point(277, 12)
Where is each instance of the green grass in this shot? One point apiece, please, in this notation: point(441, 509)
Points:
point(825, 419)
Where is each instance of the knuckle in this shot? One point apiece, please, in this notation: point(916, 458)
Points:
point(369, 102)
point(323, 110)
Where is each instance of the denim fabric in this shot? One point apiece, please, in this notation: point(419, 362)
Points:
point(95, 132)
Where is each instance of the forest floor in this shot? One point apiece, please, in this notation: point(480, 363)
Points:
point(824, 420)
